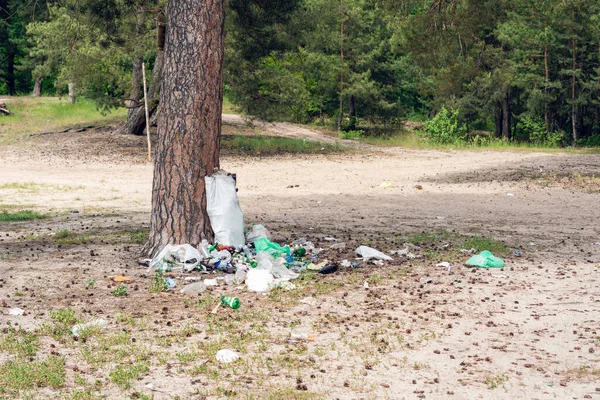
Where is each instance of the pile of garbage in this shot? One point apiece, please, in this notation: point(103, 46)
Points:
point(260, 263)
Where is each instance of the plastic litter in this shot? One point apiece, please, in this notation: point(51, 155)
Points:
point(299, 336)
point(121, 278)
point(193, 288)
point(210, 282)
point(345, 263)
point(223, 208)
point(264, 244)
point(385, 185)
point(227, 356)
point(258, 231)
point(172, 256)
point(170, 283)
point(259, 280)
point(445, 264)
point(339, 245)
point(368, 253)
point(97, 323)
point(329, 269)
point(485, 260)
point(16, 311)
point(232, 302)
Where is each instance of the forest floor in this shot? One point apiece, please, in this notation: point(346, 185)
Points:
point(528, 331)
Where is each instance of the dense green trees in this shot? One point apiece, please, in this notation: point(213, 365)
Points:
point(522, 69)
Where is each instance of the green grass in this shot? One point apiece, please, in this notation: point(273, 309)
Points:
point(122, 375)
point(270, 145)
point(23, 374)
point(19, 342)
point(410, 139)
point(23, 215)
point(43, 114)
point(481, 243)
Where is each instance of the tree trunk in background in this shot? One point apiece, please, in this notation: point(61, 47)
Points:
point(506, 134)
point(136, 77)
point(37, 87)
point(72, 93)
point(136, 83)
point(498, 119)
point(136, 119)
point(189, 122)
point(351, 107)
point(341, 112)
point(10, 71)
point(573, 93)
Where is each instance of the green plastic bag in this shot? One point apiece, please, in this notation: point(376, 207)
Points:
point(485, 260)
point(264, 244)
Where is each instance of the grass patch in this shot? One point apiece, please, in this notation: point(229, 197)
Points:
point(43, 114)
point(481, 243)
point(122, 375)
point(19, 342)
point(61, 321)
point(23, 215)
point(270, 145)
point(21, 374)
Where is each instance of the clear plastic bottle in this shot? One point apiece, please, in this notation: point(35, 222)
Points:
point(193, 288)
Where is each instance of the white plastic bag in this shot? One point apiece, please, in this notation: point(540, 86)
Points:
point(174, 256)
point(368, 253)
point(259, 280)
point(227, 356)
point(223, 207)
point(258, 231)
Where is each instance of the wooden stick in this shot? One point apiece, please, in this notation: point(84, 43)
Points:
point(147, 116)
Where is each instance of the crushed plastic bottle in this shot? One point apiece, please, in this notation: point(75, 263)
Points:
point(97, 323)
point(193, 288)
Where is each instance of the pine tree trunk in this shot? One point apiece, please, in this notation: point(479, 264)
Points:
point(136, 119)
point(189, 122)
point(573, 105)
point(546, 86)
point(37, 87)
point(72, 93)
point(506, 134)
point(136, 83)
point(498, 119)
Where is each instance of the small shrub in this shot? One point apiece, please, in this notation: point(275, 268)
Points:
point(120, 291)
point(158, 284)
point(444, 128)
point(354, 134)
point(534, 130)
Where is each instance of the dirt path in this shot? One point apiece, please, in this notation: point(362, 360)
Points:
point(528, 331)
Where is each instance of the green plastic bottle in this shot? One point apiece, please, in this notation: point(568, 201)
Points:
point(300, 252)
point(232, 302)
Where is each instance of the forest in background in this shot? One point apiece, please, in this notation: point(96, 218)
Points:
point(516, 70)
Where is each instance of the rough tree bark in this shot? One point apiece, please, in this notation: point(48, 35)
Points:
point(136, 81)
point(136, 119)
point(189, 122)
point(37, 87)
point(506, 134)
point(498, 119)
point(72, 93)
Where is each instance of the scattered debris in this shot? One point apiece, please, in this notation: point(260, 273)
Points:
point(485, 260)
point(16, 311)
point(368, 253)
point(385, 185)
point(120, 278)
point(97, 323)
point(227, 356)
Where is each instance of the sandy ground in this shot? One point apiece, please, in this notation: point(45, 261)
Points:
point(528, 331)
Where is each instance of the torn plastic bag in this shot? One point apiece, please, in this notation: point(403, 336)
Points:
point(368, 253)
point(174, 256)
point(223, 207)
point(274, 266)
point(258, 231)
point(259, 280)
point(264, 244)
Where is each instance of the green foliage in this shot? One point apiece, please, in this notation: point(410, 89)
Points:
point(24, 374)
point(120, 291)
point(19, 342)
point(268, 145)
point(122, 375)
point(534, 131)
point(158, 283)
point(355, 134)
point(444, 128)
point(23, 215)
point(592, 141)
